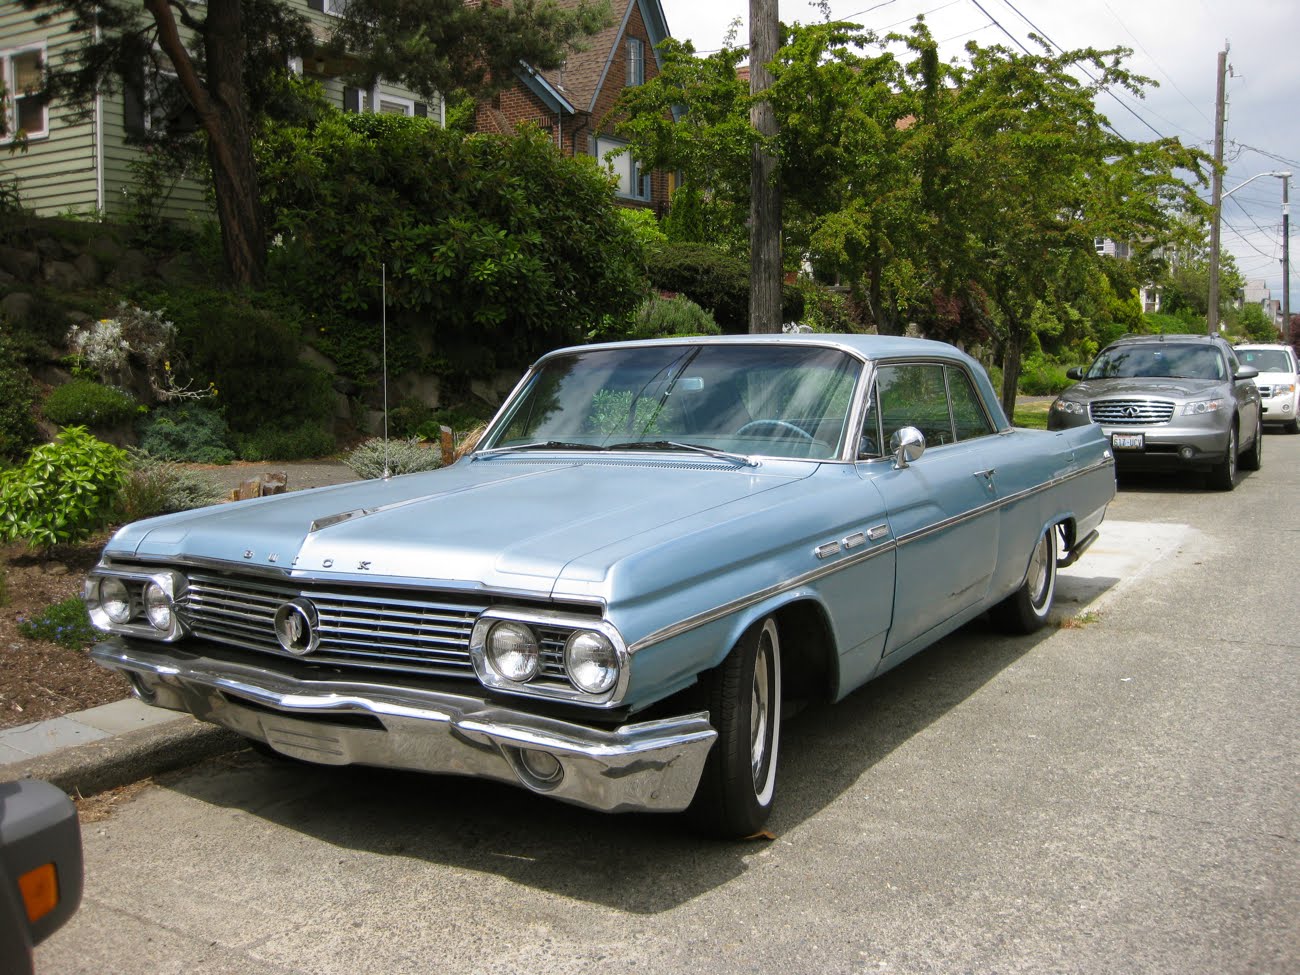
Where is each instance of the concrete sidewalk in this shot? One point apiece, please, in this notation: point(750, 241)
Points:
point(109, 746)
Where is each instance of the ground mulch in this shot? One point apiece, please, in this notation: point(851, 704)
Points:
point(39, 679)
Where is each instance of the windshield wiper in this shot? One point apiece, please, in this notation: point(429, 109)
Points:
point(539, 445)
point(740, 459)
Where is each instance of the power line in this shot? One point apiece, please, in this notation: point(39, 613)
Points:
point(1043, 34)
point(1158, 65)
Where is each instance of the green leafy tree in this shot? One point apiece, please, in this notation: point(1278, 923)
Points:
point(230, 59)
point(495, 248)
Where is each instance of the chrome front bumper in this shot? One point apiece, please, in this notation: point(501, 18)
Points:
point(653, 766)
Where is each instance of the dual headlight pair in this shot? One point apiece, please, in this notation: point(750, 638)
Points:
point(548, 655)
point(143, 606)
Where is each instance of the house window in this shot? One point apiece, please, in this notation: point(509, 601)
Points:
point(24, 107)
point(635, 61)
point(391, 104)
point(335, 7)
point(633, 182)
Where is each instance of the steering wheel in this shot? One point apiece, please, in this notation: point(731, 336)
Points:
point(782, 426)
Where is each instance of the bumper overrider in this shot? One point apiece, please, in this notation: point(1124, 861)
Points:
point(651, 766)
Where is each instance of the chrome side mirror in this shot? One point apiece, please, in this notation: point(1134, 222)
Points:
point(907, 445)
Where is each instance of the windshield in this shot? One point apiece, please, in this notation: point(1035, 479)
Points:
point(1158, 360)
point(773, 400)
point(1266, 360)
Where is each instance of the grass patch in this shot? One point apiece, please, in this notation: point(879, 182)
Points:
point(1031, 415)
point(65, 623)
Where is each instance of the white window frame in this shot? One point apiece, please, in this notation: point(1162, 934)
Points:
point(633, 182)
point(377, 99)
point(335, 8)
point(8, 77)
point(635, 62)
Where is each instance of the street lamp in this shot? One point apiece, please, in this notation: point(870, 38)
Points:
point(1212, 313)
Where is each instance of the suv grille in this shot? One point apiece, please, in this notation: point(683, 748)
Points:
point(1132, 412)
point(1265, 392)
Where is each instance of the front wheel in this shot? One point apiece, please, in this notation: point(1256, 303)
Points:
point(1223, 476)
point(1253, 459)
point(738, 786)
point(1026, 609)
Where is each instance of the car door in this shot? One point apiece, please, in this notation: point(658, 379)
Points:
point(941, 508)
point(1250, 408)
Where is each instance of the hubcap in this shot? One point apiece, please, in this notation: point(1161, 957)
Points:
point(760, 712)
point(1038, 570)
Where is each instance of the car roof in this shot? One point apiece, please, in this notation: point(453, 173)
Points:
point(863, 346)
point(1166, 337)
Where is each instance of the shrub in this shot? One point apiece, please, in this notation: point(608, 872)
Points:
point(64, 491)
point(401, 456)
point(497, 248)
point(65, 623)
point(664, 317)
point(192, 432)
point(408, 417)
point(246, 346)
point(160, 487)
point(17, 397)
point(274, 443)
point(86, 402)
point(715, 280)
point(1040, 377)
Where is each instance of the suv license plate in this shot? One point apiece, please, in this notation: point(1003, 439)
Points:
point(1127, 441)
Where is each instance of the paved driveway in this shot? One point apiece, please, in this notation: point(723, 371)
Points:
point(1115, 796)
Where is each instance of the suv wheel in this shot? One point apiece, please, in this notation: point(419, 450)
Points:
point(1223, 475)
point(1254, 458)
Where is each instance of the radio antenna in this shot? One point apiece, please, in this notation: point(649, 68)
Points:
point(383, 300)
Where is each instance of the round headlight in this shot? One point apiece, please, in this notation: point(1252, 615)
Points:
point(513, 652)
point(592, 661)
point(114, 600)
point(158, 607)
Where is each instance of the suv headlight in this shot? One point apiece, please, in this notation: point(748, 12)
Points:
point(555, 655)
point(1202, 406)
point(1069, 406)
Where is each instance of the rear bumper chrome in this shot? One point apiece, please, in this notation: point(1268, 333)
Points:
point(652, 766)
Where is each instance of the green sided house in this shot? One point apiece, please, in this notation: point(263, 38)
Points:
point(80, 163)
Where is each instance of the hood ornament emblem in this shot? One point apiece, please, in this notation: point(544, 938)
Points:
point(297, 627)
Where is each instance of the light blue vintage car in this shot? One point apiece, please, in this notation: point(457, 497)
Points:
point(607, 600)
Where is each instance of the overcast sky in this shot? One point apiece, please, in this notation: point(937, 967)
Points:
point(1175, 42)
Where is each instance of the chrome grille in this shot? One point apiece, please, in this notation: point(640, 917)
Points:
point(1265, 392)
point(1131, 412)
point(383, 630)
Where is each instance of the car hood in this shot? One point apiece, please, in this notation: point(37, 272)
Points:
point(1167, 388)
point(1274, 378)
point(498, 524)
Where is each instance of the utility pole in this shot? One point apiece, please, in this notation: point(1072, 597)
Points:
point(1286, 259)
point(765, 198)
point(1216, 202)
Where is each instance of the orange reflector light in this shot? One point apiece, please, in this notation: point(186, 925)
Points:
point(40, 890)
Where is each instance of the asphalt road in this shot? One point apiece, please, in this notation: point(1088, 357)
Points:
point(1119, 795)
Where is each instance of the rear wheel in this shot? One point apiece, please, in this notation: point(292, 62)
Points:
point(1223, 476)
point(1026, 609)
point(738, 786)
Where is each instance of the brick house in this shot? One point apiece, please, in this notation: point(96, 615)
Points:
point(571, 103)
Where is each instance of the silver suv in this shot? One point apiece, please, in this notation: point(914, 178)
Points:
point(1170, 402)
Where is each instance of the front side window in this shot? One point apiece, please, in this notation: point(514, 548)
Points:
point(915, 395)
point(771, 400)
point(26, 113)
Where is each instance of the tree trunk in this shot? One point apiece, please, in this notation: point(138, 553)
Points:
point(765, 197)
point(222, 108)
point(1011, 370)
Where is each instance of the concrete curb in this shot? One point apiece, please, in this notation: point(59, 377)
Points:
point(122, 759)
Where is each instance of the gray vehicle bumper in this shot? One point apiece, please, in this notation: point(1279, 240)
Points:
point(1172, 445)
point(652, 766)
